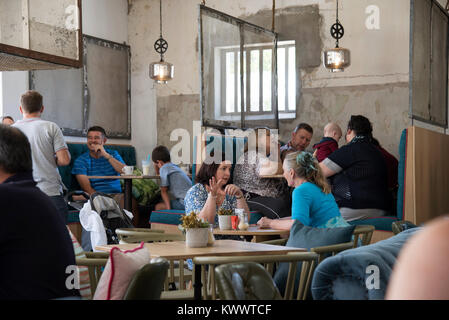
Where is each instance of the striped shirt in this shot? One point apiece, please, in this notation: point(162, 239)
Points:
point(89, 166)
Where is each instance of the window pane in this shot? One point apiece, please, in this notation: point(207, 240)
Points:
point(267, 61)
point(291, 79)
point(281, 79)
point(255, 80)
point(230, 82)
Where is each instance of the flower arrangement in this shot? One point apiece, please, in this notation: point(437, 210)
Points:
point(225, 212)
point(191, 221)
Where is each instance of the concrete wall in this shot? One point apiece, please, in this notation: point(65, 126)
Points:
point(375, 85)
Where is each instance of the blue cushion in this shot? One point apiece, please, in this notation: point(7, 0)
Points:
point(302, 236)
point(345, 275)
point(166, 216)
point(379, 223)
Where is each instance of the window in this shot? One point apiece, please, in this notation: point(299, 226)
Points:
point(258, 79)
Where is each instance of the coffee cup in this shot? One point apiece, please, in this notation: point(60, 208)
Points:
point(128, 170)
point(146, 167)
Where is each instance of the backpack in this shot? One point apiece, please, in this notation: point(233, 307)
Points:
point(111, 214)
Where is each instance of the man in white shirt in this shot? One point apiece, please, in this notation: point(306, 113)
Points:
point(48, 148)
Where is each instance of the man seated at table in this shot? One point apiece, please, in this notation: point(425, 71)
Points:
point(301, 137)
point(35, 245)
point(99, 161)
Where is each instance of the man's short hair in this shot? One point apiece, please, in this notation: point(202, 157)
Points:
point(97, 129)
point(161, 153)
point(31, 101)
point(8, 117)
point(304, 126)
point(15, 150)
point(361, 125)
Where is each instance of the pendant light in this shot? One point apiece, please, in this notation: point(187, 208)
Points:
point(161, 71)
point(337, 59)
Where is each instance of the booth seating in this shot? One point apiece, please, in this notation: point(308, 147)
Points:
point(231, 146)
point(423, 181)
point(127, 152)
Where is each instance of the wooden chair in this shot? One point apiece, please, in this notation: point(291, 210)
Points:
point(308, 260)
point(365, 232)
point(137, 235)
point(94, 262)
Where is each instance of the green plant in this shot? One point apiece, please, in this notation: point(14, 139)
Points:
point(190, 221)
point(225, 212)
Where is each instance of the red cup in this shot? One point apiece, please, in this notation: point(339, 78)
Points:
point(235, 222)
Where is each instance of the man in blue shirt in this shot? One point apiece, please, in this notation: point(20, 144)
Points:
point(98, 161)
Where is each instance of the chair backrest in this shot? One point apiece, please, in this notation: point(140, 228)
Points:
point(327, 251)
point(308, 260)
point(148, 282)
point(245, 281)
point(94, 261)
point(231, 146)
point(137, 235)
point(365, 232)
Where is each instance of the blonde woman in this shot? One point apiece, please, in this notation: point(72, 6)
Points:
point(312, 201)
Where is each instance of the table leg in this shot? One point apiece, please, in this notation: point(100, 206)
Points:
point(128, 195)
point(197, 284)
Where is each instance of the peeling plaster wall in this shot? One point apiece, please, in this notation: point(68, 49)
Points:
point(375, 85)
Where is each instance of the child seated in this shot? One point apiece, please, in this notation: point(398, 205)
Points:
point(173, 180)
point(329, 143)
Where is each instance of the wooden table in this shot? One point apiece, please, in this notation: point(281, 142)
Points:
point(257, 234)
point(128, 186)
point(176, 250)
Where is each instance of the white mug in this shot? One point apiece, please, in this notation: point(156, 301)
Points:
point(128, 170)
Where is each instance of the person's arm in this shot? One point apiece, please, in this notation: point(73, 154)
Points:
point(277, 224)
point(84, 183)
point(62, 157)
point(165, 197)
point(209, 209)
point(115, 163)
point(326, 171)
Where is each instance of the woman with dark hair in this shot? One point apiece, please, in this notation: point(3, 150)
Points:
point(313, 203)
point(358, 173)
point(213, 191)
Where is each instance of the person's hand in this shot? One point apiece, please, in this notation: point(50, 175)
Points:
point(264, 223)
point(215, 187)
point(99, 149)
point(233, 190)
point(314, 154)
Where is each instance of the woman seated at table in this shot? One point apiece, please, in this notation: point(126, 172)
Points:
point(313, 203)
point(269, 196)
point(213, 190)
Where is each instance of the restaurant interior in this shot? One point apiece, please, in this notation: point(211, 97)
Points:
point(172, 72)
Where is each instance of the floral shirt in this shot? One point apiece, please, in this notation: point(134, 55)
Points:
point(196, 198)
point(246, 177)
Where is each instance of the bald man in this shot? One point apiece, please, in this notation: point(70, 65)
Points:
point(329, 143)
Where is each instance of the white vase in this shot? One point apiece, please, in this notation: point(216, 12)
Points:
point(197, 237)
point(224, 222)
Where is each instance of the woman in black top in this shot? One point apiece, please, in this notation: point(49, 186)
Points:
point(358, 174)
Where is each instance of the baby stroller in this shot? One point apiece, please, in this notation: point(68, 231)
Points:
point(112, 216)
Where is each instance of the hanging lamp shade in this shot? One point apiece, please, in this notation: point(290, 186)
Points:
point(337, 59)
point(161, 71)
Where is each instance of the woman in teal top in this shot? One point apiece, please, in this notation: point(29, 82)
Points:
point(312, 201)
